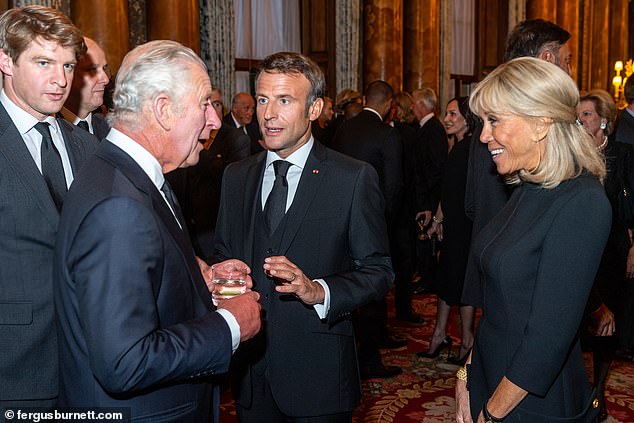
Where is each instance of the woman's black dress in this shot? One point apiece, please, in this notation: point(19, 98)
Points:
point(456, 225)
point(538, 258)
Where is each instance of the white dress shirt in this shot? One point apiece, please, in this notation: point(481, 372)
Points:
point(293, 176)
point(74, 119)
point(25, 123)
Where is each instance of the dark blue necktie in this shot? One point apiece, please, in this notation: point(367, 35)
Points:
point(275, 206)
point(52, 168)
point(83, 125)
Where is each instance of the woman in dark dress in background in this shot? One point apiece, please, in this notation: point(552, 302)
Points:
point(538, 256)
point(453, 228)
point(597, 114)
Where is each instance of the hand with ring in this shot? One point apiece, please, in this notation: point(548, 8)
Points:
point(294, 282)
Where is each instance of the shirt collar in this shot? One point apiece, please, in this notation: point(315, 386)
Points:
point(140, 155)
point(22, 119)
point(425, 119)
point(631, 112)
point(238, 125)
point(73, 118)
point(298, 158)
point(370, 109)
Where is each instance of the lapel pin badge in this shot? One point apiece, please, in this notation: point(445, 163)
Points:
point(315, 171)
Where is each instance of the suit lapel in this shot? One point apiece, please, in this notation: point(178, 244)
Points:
point(139, 178)
point(18, 157)
point(311, 178)
point(253, 184)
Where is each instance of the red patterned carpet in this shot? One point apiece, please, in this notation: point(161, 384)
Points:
point(424, 391)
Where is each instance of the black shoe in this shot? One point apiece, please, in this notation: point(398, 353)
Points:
point(380, 372)
point(460, 361)
point(411, 318)
point(392, 342)
point(446, 343)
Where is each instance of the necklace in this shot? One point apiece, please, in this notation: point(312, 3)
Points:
point(603, 144)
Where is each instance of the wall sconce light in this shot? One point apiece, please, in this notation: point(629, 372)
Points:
point(618, 82)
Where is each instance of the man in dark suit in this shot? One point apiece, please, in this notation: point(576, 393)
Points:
point(137, 327)
point(310, 223)
point(366, 137)
point(430, 154)
point(624, 131)
point(37, 60)
point(92, 75)
point(242, 117)
point(198, 187)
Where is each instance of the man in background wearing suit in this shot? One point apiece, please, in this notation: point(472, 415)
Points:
point(241, 117)
point(92, 74)
point(430, 154)
point(367, 137)
point(137, 327)
point(198, 187)
point(39, 48)
point(310, 223)
point(624, 131)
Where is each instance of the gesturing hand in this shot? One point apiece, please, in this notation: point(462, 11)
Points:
point(293, 280)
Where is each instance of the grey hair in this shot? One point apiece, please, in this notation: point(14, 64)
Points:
point(427, 96)
point(154, 68)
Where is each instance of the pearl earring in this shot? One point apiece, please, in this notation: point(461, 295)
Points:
point(603, 125)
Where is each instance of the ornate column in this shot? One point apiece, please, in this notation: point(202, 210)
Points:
point(545, 9)
point(568, 14)
point(382, 42)
point(421, 52)
point(103, 22)
point(174, 20)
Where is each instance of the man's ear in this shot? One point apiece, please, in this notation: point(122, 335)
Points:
point(162, 108)
point(547, 56)
point(6, 63)
point(314, 110)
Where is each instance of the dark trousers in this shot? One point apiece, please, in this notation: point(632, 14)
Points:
point(264, 408)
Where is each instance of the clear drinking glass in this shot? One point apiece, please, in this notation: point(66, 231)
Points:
point(229, 280)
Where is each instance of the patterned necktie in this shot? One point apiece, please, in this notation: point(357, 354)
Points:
point(275, 206)
point(83, 125)
point(52, 168)
point(171, 199)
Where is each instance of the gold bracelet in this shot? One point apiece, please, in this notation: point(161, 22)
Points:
point(461, 374)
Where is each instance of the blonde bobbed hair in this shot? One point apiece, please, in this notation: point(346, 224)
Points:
point(531, 88)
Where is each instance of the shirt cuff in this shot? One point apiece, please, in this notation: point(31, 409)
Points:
point(233, 327)
point(323, 309)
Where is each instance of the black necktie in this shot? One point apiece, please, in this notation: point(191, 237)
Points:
point(52, 168)
point(171, 199)
point(275, 206)
point(83, 125)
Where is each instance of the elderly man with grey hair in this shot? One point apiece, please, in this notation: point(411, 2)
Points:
point(136, 323)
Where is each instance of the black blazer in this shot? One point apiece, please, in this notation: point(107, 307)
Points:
point(624, 129)
point(335, 230)
point(538, 257)
point(365, 137)
point(430, 154)
point(100, 126)
point(253, 131)
point(28, 360)
point(135, 316)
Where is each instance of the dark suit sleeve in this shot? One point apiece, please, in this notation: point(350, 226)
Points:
point(117, 261)
point(372, 275)
point(241, 148)
point(393, 168)
point(569, 260)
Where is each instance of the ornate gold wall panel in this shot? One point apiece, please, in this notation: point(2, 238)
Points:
point(383, 41)
point(107, 24)
point(421, 41)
